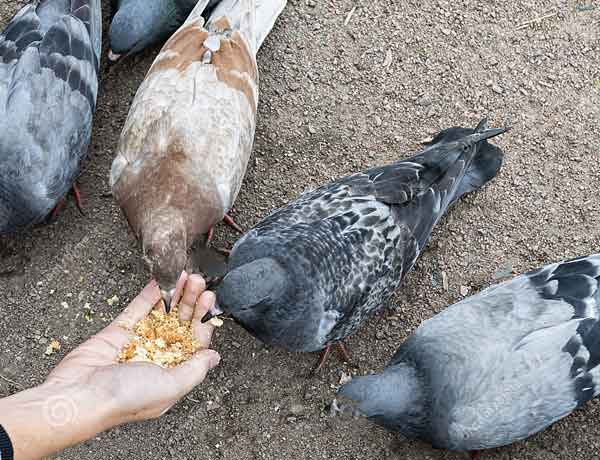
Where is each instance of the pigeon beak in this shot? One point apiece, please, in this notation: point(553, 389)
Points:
point(213, 311)
point(167, 297)
point(113, 57)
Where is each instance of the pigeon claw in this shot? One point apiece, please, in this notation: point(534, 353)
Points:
point(61, 204)
point(229, 221)
point(342, 351)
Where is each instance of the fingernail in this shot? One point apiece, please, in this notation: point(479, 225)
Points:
point(215, 359)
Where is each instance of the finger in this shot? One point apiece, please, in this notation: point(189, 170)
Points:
point(193, 372)
point(194, 288)
point(139, 307)
point(203, 332)
point(179, 288)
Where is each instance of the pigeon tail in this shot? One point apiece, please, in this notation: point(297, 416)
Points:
point(253, 18)
point(486, 162)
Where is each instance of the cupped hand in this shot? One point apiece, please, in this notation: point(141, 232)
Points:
point(137, 391)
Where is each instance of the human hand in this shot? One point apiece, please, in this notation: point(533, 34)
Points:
point(89, 392)
point(137, 390)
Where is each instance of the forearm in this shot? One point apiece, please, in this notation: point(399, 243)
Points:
point(48, 419)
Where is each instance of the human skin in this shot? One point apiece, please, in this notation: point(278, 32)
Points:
point(89, 392)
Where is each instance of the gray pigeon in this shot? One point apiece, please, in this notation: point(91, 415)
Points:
point(49, 60)
point(138, 24)
point(496, 367)
point(309, 274)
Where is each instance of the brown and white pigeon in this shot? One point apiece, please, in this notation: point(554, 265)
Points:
point(187, 140)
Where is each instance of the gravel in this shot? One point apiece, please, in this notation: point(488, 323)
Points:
point(337, 98)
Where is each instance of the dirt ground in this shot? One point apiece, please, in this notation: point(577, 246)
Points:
point(341, 92)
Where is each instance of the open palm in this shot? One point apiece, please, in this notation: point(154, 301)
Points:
point(137, 391)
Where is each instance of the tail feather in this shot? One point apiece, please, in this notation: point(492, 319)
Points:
point(485, 166)
point(254, 18)
point(485, 163)
point(267, 12)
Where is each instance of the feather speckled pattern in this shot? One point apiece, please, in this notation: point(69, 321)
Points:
point(310, 273)
point(496, 367)
point(187, 140)
point(49, 55)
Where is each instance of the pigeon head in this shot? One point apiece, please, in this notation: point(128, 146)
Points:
point(256, 294)
point(139, 24)
point(165, 250)
point(394, 399)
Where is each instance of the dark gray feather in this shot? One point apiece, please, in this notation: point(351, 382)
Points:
point(348, 245)
point(48, 87)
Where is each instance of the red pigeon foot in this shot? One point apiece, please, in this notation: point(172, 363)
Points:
point(340, 348)
point(61, 203)
point(229, 221)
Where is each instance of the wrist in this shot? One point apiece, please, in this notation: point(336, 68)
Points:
point(77, 408)
point(51, 417)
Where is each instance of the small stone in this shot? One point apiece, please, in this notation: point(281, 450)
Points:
point(389, 57)
point(297, 409)
point(424, 101)
point(213, 407)
point(114, 299)
point(294, 85)
point(377, 120)
point(464, 291)
point(497, 89)
point(311, 129)
point(445, 281)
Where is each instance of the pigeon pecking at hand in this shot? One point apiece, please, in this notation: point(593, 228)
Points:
point(309, 274)
point(496, 367)
point(138, 24)
point(186, 144)
point(49, 61)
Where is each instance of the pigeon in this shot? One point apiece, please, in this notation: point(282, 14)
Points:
point(186, 143)
point(138, 24)
point(494, 368)
point(49, 61)
point(309, 274)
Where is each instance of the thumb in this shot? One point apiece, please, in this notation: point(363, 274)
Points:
point(193, 372)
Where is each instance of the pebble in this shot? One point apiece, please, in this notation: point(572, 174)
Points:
point(297, 409)
point(464, 290)
point(445, 281)
point(497, 89)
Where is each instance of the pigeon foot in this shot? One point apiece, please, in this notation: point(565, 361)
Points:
point(61, 203)
point(342, 351)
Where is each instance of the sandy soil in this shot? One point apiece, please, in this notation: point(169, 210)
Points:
point(337, 98)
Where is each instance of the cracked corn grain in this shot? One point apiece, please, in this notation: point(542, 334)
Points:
point(161, 339)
